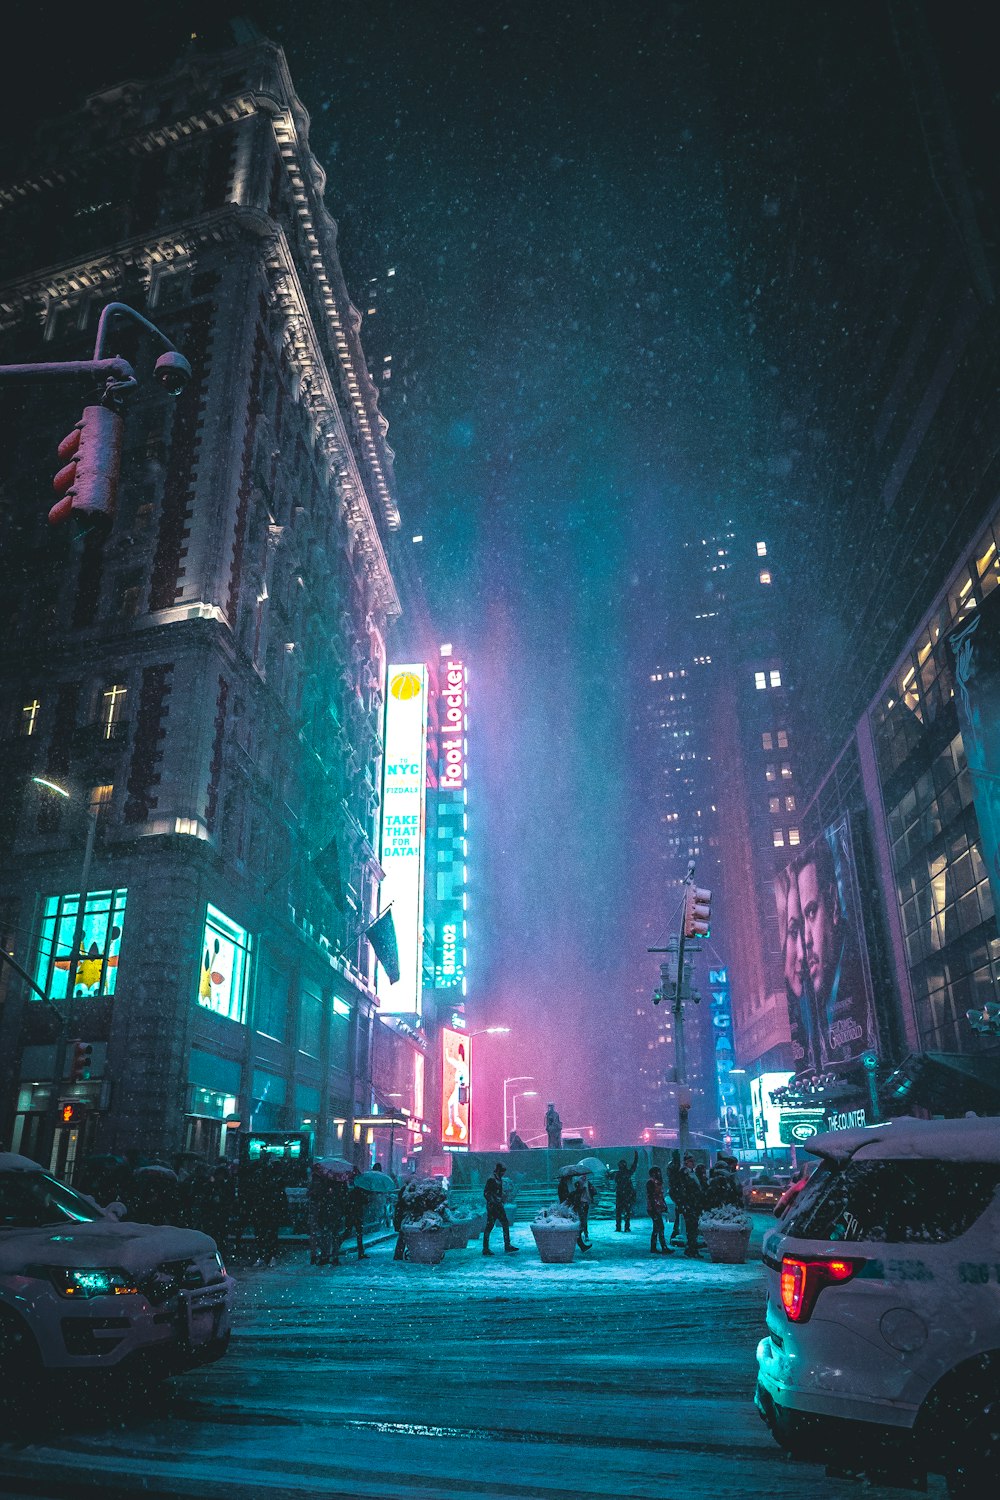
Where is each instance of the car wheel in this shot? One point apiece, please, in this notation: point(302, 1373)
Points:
point(975, 1468)
point(18, 1350)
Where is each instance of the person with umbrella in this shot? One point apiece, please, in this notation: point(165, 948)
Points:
point(495, 1211)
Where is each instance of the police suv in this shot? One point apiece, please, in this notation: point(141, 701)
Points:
point(883, 1305)
point(80, 1290)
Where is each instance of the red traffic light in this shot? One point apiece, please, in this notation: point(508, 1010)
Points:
point(88, 481)
point(697, 912)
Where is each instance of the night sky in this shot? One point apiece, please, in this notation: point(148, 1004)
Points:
point(591, 209)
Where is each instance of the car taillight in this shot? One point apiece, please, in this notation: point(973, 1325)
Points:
point(803, 1280)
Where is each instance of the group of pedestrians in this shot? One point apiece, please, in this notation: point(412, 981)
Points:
point(691, 1187)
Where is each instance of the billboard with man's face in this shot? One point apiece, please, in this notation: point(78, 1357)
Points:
point(827, 981)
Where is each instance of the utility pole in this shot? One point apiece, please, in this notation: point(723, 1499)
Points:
point(695, 914)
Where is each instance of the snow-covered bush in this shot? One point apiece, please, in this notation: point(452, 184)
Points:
point(425, 1221)
point(557, 1216)
point(727, 1216)
point(423, 1197)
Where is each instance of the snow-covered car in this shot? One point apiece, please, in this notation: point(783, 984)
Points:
point(80, 1290)
point(883, 1305)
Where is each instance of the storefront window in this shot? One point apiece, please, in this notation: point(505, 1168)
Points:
point(100, 941)
point(225, 966)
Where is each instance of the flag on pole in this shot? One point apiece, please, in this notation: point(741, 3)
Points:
point(382, 936)
point(327, 866)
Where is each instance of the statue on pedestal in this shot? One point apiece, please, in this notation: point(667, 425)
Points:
point(553, 1128)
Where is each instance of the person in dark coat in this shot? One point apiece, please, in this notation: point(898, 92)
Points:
point(495, 1211)
point(268, 1207)
point(219, 1209)
point(581, 1198)
point(327, 1210)
point(625, 1193)
point(398, 1215)
point(656, 1205)
point(723, 1185)
point(357, 1198)
point(690, 1202)
point(673, 1186)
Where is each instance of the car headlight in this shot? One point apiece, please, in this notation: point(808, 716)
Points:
point(80, 1284)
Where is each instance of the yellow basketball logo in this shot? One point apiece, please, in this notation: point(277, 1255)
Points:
point(405, 685)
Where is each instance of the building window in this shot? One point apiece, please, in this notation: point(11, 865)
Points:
point(775, 677)
point(29, 718)
point(761, 549)
point(782, 739)
point(225, 966)
point(112, 709)
point(764, 576)
point(789, 804)
point(767, 741)
point(786, 771)
point(771, 773)
point(793, 836)
point(100, 798)
point(100, 941)
point(759, 680)
point(774, 805)
point(778, 838)
point(310, 1021)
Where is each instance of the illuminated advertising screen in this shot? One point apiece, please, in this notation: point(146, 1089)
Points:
point(828, 986)
point(100, 941)
point(403, 829)
point(451, 866)
point(225, 966)
point(766, 1114)
point(975, 650)
point(456, 1056)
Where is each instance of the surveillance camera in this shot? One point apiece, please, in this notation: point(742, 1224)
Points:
point(173, 372)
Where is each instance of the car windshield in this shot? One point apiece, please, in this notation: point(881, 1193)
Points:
point(31, 1200)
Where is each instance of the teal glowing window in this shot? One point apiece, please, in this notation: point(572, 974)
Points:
point(225, 966)
point(100, 935)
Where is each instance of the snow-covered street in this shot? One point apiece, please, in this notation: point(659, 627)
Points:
point(620, 1375)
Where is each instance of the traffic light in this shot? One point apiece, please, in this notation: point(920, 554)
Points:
point(87, 484)
point(79, 1068)
point(987, 1020)
point(697, 912)
point(71, 1113)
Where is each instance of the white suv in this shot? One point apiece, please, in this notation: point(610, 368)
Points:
point(81, 1291)
point(883, 1307)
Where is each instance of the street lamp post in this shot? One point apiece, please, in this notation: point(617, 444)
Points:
point(62, 1037)
point(521, 1078)
point(521, 1094)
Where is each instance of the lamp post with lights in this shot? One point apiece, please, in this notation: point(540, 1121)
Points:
point(521, 1094)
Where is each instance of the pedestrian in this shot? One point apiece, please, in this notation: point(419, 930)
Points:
point(495, 1211)
point(268, 1207)
point(357, 1200)
point(690, 1203)
point(625, 1194)
point(218, 1208)
point(398, 1215)
point(674, 1170)
point(581, 1198)
point(327, 1210)
point(656, 1205)
point(723, 1184)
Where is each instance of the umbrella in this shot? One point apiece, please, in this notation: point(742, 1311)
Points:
point(578, 1171)
point(594, 1165)
point(375, 1182)
point(335, 1166)
point(155, 1167)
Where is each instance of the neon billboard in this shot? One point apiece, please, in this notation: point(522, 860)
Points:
point(452, 825)
point(403, 827)
point(456, 1059)
point(453, 710)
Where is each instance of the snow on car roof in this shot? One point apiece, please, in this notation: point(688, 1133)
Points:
point(976, 1139)
point(10, 1162)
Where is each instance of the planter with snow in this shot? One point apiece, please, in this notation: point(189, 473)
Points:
point(556, 1231)
point(426, 1239)
point(727, 1234)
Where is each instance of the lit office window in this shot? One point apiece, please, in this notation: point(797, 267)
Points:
point(112, 708)
point(778, 838)
point(782, 739)
point(775, 677)
point(793, 836)
point(29, 718)
point(100, 941)
point(764, 576)
point(789, 804)
point(786, 771)
point(767, 741)
point(100, 798)
point(759, 680)
point(225, 966)
point(761, 549)
point(774, 805)
point(770, 773)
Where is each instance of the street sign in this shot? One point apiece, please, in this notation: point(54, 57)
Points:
point(870, 1061)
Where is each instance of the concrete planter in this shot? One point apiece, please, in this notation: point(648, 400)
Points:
point(457, 1234)
point(728, 1247)
point(556, 1245)
point(426, 1246)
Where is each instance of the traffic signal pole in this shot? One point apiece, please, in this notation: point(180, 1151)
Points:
point(680, 1057)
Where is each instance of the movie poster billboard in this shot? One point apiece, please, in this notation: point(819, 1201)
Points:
point(828, 985)
point(975, 649)
point(456, 1059)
